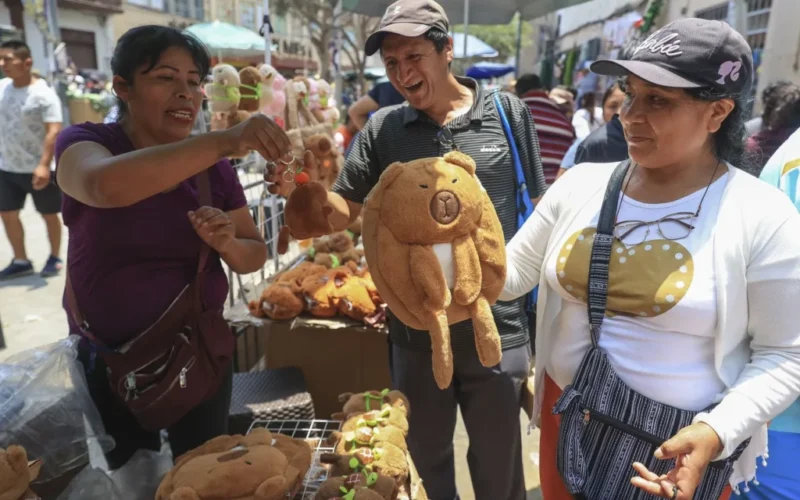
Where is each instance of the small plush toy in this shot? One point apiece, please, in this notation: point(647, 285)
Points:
point(329, 162)
point(223, 92)
point(436, 251)
point(352, 487)
point(305, 210)
point(250, 89)
point(268, 74)
point(279, 302)
point(318, 291)
point(329, 260)
point(296, 275)
point(385, 459)
point(17, 473)
point(366, 436)
point(355, 229)
point(241, 467)
point(364, 402)
point(387, 417)
point(355, 300)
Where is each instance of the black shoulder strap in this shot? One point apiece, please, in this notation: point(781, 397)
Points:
point(601, 251)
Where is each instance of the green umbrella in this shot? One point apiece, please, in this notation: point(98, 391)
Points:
point(228, 40)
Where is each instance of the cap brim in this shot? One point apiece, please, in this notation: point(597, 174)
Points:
point(648, 72)
point(403, 29)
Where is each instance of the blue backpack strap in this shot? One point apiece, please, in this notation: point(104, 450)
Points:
point(524, 201)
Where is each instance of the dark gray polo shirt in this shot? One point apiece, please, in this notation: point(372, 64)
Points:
point(401, 133)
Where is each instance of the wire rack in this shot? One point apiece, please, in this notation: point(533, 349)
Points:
point(316, 433)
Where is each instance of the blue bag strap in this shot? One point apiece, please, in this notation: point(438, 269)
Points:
point(524, 201)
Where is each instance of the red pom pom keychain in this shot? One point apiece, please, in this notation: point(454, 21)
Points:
point(294, 171)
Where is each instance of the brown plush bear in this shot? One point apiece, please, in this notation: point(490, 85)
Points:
point(341, 242)
point(355, 229)
point(298, 452)
point(318, 245)
point(385, 459)
point(334, 487)
point(328, 260)
point(242, 467)
point(364, 402)
point(319, 292)
point(436, 252)
point(17, 473)
point(278, 301)
point(366, 436)
point(249, 81)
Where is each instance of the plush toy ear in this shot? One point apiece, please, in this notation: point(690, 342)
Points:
point(462, 160)
point(387, 178)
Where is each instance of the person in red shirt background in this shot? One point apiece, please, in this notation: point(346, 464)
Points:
point(555, 131)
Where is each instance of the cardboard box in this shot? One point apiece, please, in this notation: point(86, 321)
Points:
point(336, 356)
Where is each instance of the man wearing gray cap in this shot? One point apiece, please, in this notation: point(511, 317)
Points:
point(442, 113)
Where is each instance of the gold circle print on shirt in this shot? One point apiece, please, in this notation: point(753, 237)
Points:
point(644, 280)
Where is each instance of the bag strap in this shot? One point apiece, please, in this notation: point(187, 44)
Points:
point(204, 191)
point(601, 252)
point(524, 202)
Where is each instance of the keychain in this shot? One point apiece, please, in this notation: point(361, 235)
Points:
point(295, 174)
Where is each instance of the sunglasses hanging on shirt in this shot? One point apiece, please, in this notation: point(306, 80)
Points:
point(445, 138)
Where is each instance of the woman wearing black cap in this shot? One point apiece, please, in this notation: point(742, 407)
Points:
point(690, 271)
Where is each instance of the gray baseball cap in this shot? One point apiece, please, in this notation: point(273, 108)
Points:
point(689, 53)
point(409, 18)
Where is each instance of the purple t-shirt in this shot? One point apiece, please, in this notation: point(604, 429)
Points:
point(128, 264)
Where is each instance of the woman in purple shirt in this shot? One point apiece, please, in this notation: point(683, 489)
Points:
point(136, 227)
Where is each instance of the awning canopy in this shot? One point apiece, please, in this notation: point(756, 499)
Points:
point(480, 11)
point(489, 70)
point(228, 40)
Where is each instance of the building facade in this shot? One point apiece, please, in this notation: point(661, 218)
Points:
point(85, 26)
point(176, 13)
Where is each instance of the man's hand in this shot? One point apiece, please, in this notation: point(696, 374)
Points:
point(41, 177)
point(214, 227)
point(693, 448)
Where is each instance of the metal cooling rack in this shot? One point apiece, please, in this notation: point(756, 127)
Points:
point(316, 434)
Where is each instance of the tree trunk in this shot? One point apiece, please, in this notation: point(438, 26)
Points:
point(322, 44)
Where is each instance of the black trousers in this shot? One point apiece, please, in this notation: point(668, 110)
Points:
point(206, 421)
point(490, 401)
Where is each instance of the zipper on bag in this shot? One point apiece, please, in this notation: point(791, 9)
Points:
point(589, 415)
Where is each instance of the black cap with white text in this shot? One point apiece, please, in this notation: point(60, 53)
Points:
point(689, 53)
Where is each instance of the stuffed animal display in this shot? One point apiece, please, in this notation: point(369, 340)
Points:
point(259, 466)
point(250, 89)
point(17, 474)
point(223, 92)
point(436, 252)
point(372, 453)
point(332, 281)
point(273, 97)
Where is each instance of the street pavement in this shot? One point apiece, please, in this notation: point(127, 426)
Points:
point(32, 315)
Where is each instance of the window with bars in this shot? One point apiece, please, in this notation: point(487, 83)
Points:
point(152, 4)
point(183, 8)
point(757, 22)
point(715, 13)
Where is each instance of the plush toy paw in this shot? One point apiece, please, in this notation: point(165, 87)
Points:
point(272, 488)
point(487, 338)
point(184, 493)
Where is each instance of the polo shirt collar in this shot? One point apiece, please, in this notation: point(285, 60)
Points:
point(411, 115)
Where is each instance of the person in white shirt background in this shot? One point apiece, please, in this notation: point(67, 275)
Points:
point(697, 314)
point(30, 120)
point(588, 118)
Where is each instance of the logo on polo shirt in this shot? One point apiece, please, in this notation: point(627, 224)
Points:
point(491, 149)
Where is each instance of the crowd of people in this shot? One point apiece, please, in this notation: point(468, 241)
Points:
point(667, 274)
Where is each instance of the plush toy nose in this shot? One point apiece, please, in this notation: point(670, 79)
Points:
point(445, 207)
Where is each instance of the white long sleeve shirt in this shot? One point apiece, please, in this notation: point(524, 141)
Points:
point(756, 260)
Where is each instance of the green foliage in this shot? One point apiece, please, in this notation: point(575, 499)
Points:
point(501, 37)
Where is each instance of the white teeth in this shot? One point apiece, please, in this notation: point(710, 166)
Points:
point(181, 114)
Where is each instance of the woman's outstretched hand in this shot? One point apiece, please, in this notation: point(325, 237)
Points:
point(214, 227)
point(693, 448)
point(257, 133)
